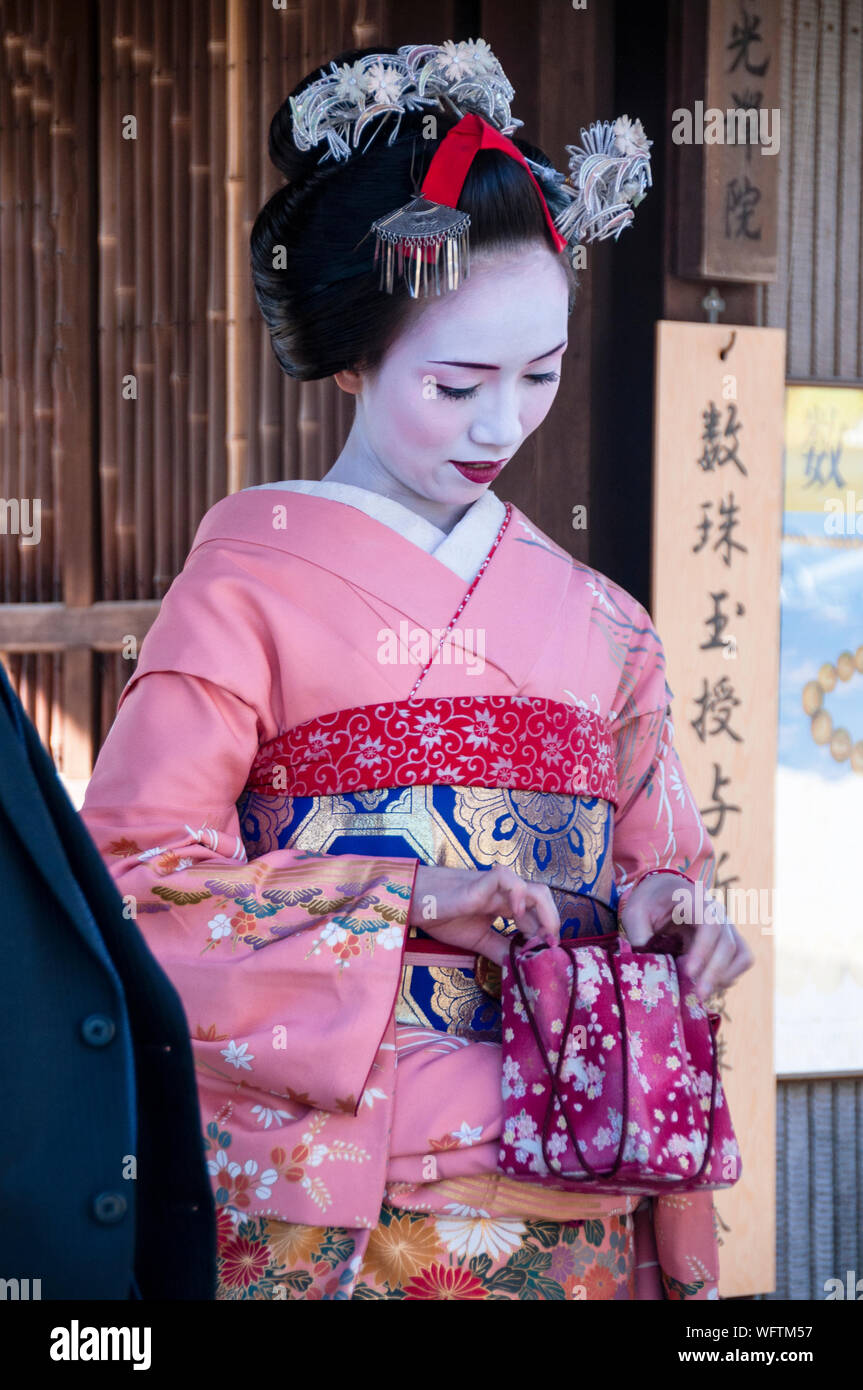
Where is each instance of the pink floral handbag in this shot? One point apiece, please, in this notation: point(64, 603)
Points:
point(610, 1074)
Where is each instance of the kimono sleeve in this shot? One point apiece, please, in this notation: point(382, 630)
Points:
point(287, 965)
point(657, 823)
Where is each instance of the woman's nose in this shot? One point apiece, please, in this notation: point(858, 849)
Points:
point(498, 423)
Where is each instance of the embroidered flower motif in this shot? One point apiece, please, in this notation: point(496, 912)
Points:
point(371, 1094)
point(467, 1237)
point(266, 1182)
point(481, 731)
point(451, 773)
point(244, 924)
point(294, 1244)
point(599, 1282)
point(439, 1282)
point(243, 1262)
point(466, 1135)
point(238, 1056)
point(317, 745)
point(268, 1116)
point(334, 932)
point(552, 748)
point(525, 1126)
point(397, 1252)
point(222, 1166)
point(512, 1084)
point(220, 926)
point(347, 949)
point(369, 752)
point(430, 729)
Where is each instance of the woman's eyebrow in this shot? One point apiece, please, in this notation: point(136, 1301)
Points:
point(490, 366)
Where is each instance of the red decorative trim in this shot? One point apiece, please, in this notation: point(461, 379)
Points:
point(458, 612)
point(524, 742)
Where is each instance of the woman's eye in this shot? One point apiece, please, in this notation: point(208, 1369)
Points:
point(454, 393)
point(464, 393)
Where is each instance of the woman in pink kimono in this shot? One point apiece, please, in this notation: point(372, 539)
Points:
point(380, 723)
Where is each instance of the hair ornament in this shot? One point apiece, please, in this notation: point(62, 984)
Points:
point(609, 174)
point(425, 242)
point(339, 106)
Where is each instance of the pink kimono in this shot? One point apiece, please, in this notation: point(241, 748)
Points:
point(332, 693)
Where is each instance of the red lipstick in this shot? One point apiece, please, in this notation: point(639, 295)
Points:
point(479, 472)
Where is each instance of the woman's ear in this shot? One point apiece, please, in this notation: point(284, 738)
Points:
point(350, 381)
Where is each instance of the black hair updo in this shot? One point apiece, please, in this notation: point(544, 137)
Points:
point(312, 248)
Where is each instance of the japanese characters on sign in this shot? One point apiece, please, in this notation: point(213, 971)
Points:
point(728, 130)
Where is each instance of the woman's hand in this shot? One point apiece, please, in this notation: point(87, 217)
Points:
point(458, 906)
point(716, 952)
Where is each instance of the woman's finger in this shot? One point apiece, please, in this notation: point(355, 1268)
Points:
point(715, 971)
point(703, 945)
point(517, 892)
point(542, 903)
point(741, 961)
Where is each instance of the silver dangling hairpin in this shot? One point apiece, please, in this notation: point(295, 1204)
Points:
point(421, 240)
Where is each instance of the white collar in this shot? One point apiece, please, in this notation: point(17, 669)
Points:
point(462, 550)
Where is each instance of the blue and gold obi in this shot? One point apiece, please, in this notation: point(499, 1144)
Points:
point(460, 781)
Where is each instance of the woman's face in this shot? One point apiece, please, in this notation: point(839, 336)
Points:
point(470, 377)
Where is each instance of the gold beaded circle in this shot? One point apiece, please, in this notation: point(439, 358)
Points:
point(842, 748)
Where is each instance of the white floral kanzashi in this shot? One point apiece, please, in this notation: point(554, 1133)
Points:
point(457, 59)
point(352, 83)
point(384, 83)
point(629, 136)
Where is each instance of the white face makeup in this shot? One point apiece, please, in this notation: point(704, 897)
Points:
point(466, 382)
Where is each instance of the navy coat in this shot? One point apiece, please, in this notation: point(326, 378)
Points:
point(103, 1186)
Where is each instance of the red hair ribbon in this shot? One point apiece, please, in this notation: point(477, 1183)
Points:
point(447, 172)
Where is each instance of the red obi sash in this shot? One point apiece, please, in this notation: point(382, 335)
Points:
point(524, 742)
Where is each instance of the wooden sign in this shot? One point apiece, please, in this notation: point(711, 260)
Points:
point(716, 564)
point(726, 137)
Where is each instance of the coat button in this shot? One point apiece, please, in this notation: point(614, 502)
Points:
point(109, 1207)
point(98, 1030)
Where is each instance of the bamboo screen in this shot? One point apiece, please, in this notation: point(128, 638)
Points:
point(137, 382)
